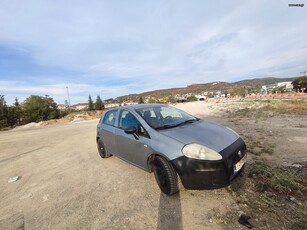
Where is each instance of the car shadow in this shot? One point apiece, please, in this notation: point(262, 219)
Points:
point(170, 214)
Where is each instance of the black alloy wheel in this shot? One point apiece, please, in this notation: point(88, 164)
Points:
point(165, 175)
point(101, 149)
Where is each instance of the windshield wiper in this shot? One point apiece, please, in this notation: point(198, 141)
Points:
point(188, 121)
point(182, 123)
point(166, 126)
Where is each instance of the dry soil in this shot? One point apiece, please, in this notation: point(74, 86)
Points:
point(64, 184)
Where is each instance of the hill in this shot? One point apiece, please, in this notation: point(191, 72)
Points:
point(206, 87)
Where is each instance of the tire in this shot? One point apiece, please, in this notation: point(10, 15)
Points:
point(102, 150)
point(165, 175)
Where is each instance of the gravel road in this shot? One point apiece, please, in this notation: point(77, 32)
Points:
point(64, 184)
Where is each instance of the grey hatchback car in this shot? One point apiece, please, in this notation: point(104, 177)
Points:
point(171, 142)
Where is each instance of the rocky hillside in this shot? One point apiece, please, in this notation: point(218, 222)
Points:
point(199, 88)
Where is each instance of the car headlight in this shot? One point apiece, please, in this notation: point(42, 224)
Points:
point(200, 152)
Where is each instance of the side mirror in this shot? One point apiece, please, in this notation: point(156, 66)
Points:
point(132, 130)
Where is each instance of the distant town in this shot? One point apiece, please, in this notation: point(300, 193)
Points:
point(211, 91)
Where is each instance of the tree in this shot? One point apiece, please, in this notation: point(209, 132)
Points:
point(152, 100)
point(192, 98)
point(254, 90)
point(17, 111)
point(238, 92)
point(9, 115)
point(90, 103)
point(12, 118)
point(210, 95)
point(300, 84)
point(281, 89)
point(141, 101)
point(172, 99)
point(37, 108)
point(3, 112)
point(99, 104)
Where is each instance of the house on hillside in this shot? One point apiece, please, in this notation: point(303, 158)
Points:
point(111, 105)
point(150, 99)
point(79, 106)
point(285, 86)
point(61, 106)
point(129, 103)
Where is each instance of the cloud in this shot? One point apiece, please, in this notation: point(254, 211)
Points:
point(129, 47)
point(58, 92)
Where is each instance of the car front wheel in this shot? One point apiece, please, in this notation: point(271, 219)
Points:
point(165, 175)
point(101, 149)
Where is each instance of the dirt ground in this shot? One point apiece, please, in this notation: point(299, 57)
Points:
point(64, 184)
point(285, 133)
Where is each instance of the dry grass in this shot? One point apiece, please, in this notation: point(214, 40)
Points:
point(275, 196)
point(269, 108)
point(257, 147)
point(280, 189)
point(281, 180)
point(272, 196)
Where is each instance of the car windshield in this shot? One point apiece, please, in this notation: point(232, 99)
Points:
point(164, 117)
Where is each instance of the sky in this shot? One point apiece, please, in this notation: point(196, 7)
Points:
point(113, 48)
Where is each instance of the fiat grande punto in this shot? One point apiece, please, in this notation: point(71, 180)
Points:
point(170, 142)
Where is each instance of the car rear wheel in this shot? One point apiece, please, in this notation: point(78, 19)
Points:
point(102, 150)
point(165, 175)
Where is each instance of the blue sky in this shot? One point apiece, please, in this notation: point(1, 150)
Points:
point(112, 48)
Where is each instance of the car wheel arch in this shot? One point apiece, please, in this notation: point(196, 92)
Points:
point(165, 174)
point(102, 149)
point(150, 159)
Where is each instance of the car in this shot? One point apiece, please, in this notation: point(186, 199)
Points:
point(169, 142)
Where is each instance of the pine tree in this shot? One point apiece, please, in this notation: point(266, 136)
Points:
point(90, 103)
point(3, 112)
point(141, 101)
point(17, 111)
point(99, 104)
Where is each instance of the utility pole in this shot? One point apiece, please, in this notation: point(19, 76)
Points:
point(304, 72)
point(68, 97)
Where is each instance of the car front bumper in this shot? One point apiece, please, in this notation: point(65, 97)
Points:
point(202, 174)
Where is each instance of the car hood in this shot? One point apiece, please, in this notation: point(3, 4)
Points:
point(205, 133)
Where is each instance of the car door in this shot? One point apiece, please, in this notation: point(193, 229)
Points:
point(106, 130)
point(135, 151)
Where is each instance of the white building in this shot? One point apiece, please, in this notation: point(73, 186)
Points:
point(287, 85)
point(79, 106)
point(111, 105)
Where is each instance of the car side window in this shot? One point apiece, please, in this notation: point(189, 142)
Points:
point(109, 117)
point(127, 120)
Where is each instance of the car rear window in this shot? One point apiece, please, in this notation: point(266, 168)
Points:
point(109, 117)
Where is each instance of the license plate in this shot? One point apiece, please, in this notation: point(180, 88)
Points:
point(240, 164)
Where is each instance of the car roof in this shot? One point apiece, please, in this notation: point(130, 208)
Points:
point(140, 106)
